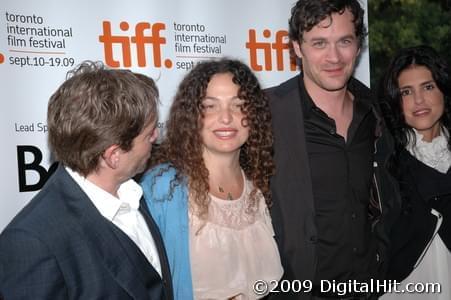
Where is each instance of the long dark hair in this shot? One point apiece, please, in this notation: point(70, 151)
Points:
point(390, 96)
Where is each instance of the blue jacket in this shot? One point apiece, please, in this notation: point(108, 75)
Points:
point(170, 212)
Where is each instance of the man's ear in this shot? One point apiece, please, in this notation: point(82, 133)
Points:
point(297, 49)
point(111, 156)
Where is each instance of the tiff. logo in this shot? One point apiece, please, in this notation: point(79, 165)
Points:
point(144, 34)
point(280, 48)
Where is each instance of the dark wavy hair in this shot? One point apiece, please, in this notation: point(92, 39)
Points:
point(182, 145)
point(390, 97)
point(306, 14)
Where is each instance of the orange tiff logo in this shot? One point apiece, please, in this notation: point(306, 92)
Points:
point(280, 47)
point(144, 34)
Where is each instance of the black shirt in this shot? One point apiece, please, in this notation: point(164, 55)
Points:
point(341, 172)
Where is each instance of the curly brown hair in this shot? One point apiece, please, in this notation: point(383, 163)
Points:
point(182, 146)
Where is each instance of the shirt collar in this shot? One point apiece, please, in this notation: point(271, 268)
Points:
point(360, 99)
point(306, 101)
point(108, 205)
point(434, 154)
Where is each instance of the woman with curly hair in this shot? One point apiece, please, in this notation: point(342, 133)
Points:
point(208, 189)
point(416, 102)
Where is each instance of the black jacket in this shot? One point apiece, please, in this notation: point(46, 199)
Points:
point(60, 247)
point(293, 212)
point(423, 189)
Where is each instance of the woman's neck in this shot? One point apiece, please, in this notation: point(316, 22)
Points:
point(225, 175)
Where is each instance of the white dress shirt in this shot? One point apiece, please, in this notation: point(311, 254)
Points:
point(123, 212)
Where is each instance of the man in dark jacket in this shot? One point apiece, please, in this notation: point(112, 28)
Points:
point(88, 234)
point(326, 129)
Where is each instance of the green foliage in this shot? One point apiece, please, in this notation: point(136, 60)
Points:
point(397, 24)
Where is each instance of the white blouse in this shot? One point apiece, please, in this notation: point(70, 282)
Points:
point(434, 154)
point(233, 249)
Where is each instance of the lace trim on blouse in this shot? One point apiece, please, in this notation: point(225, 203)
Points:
point(235, 214)
point(434, 154)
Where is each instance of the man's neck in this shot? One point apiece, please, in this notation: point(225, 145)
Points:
point(105, 181)
point(338, 105)
point(331, 102)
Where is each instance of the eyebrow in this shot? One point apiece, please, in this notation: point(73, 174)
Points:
point(217, 99)
point(421, 84)
point(428, 82)
point(349, 36)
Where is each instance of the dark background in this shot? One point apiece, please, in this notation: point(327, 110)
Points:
point(394, 24)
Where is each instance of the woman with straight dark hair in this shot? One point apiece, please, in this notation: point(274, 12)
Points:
point(415, 100)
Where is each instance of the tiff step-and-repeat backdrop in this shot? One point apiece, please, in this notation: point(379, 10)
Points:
point(41, 40)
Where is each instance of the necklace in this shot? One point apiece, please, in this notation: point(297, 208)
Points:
point(229, 194)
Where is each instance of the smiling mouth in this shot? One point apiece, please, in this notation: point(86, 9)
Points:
point(225, 133)
point(421, 112)
point(336, 71)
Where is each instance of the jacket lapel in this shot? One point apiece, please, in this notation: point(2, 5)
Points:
point(292, 118)
point(99, 235)
point(153, 228)
point(293, 206)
